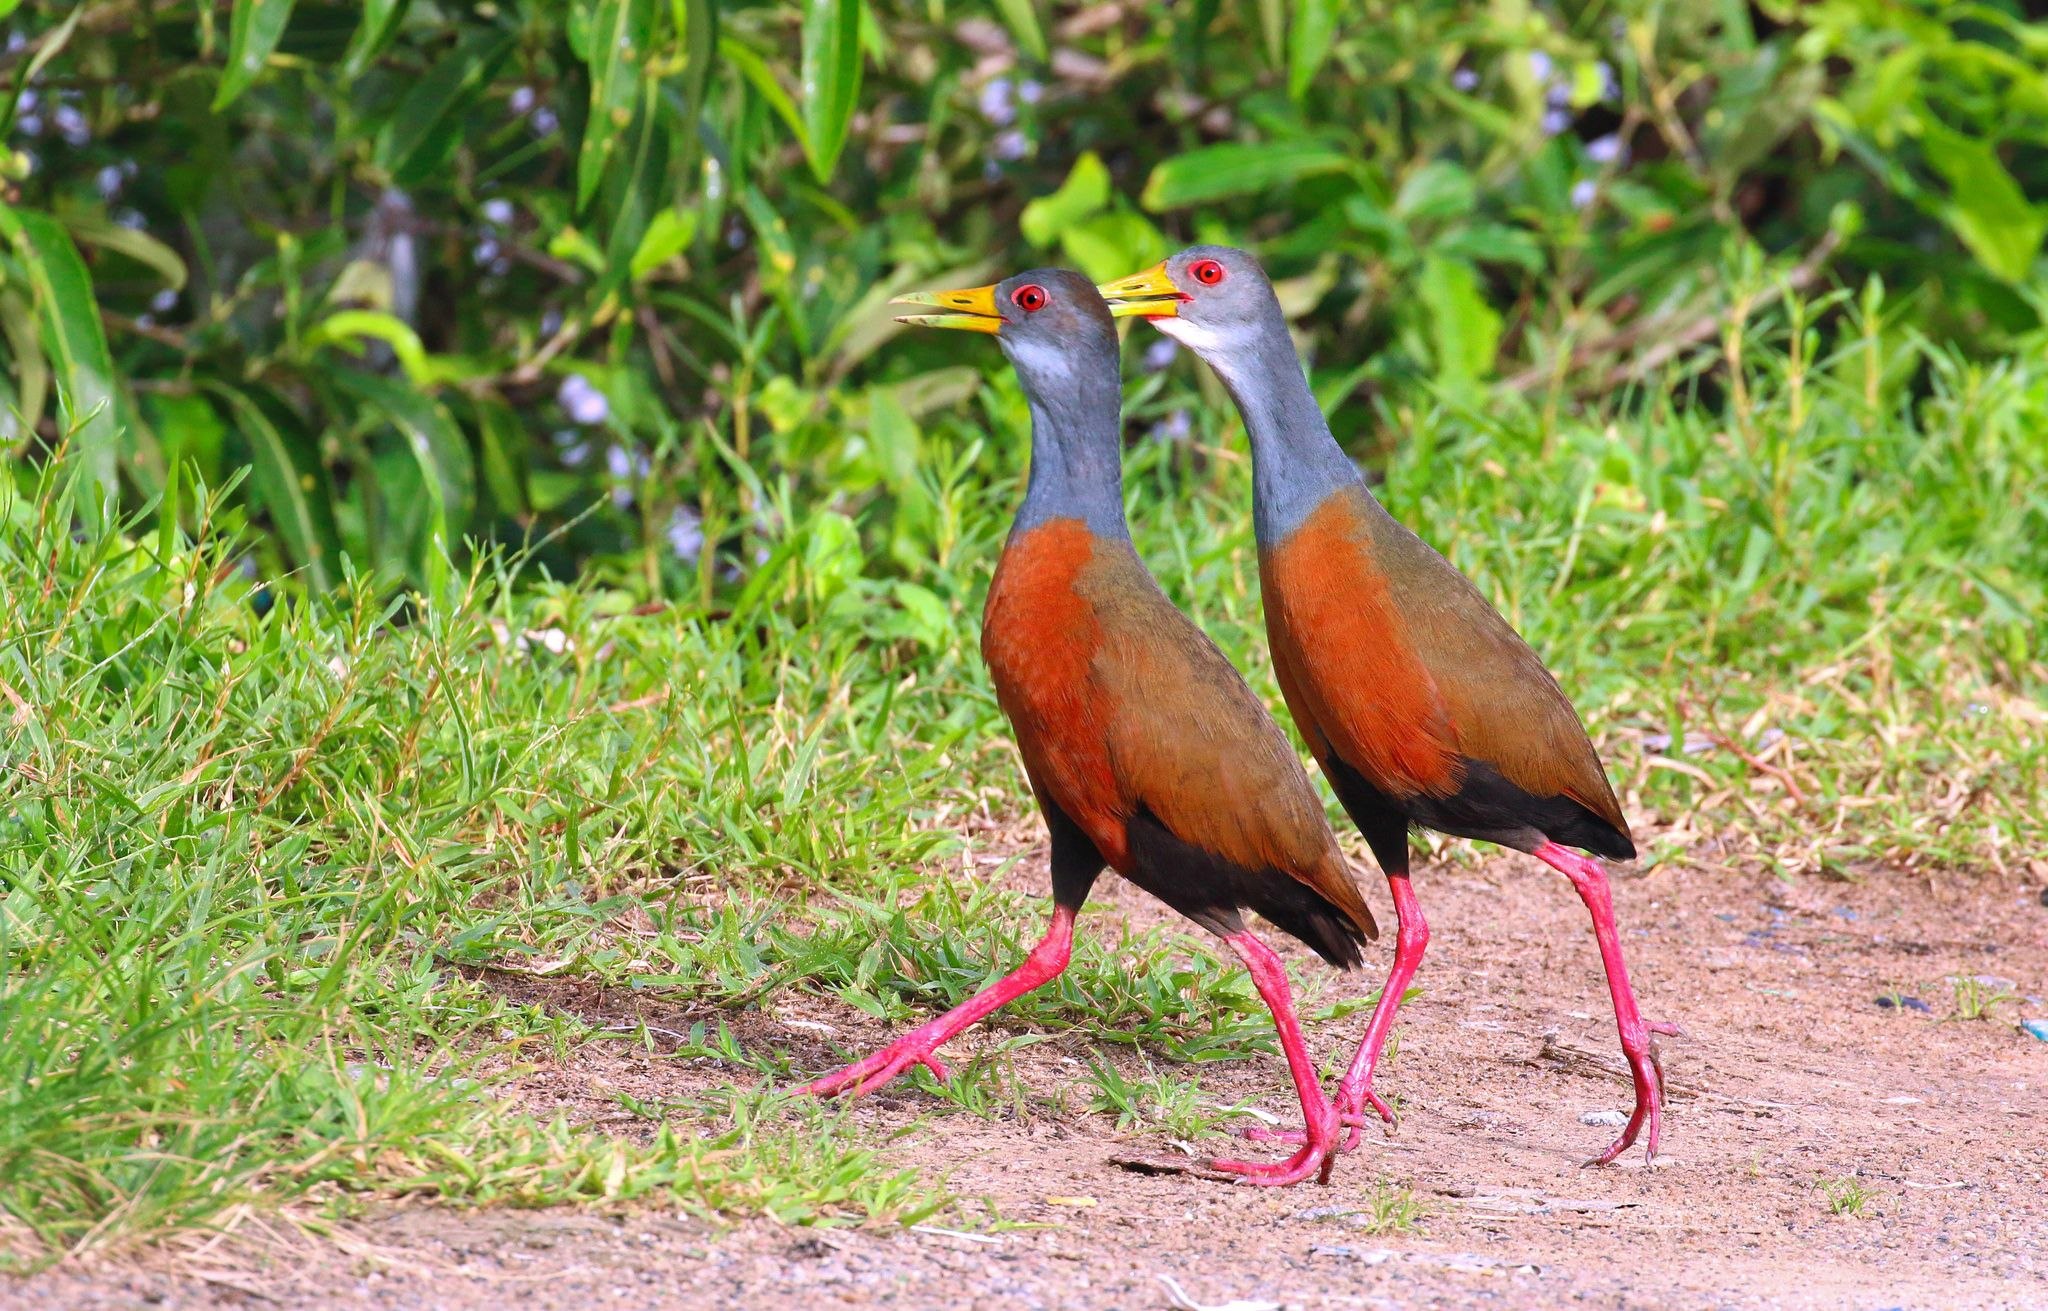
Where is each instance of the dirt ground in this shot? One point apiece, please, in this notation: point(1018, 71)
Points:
point(1790, 1074)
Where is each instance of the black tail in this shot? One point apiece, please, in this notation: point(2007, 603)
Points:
point(1212, 891)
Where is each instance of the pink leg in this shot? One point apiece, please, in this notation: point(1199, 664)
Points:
point(1354, 1091)
point(1045, 963)
point(1636, 1043)
point(1319, 1152)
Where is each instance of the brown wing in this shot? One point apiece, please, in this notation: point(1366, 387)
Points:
point(1504, 707)
point(1192, 746)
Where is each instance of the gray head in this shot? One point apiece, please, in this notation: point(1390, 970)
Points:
point(1061, 339)
point(1217, 301)
point(1211, 299)
point(1050, 322)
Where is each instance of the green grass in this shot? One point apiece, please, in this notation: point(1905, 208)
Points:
point(1845, 1196)
point(1977, 999)
point(243, 857)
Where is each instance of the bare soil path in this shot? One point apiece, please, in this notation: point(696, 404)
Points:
point(1791, 1075)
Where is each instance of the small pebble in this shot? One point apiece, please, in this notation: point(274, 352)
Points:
point(2037, 1028)
point(1613, 1119)
point(1904, 1004)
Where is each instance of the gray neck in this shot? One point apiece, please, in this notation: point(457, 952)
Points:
point(1076, 440)
point(1296, 463)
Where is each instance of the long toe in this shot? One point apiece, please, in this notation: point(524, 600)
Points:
point(1280, 1174)
point(876, 1070)
point(1647, 1115)
point(1351, 1122)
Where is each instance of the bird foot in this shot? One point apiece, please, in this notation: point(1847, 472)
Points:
point(1646, 1121)
point(1350, 1117)
point(1318, 1155)
point(881, 1068)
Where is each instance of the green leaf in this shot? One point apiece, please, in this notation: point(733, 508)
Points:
point(503, 443)
point(287, 480)
point(697, 21)
point(190, 431)
point(380, 23)
point(1464, 328)
point(1437, 190)
point(435, 442)
point(350, 326)
point(634, 193)
point(1238, 169)
point(48, 48)
point(831, 80)
point(1111, 245)
point(1309, 40)
point(668, 235)
point(74, 339)
point(136, 245)
point(31, 370)
point(1987, 209)
point(1085, 191)
point(253, 33)
point(1021, 17)
point(620, 36)
point(762, 79)
point(778, 252)
point(424, 129)
point(1273, 29)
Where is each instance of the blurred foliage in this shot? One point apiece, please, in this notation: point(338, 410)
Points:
point(608, 275)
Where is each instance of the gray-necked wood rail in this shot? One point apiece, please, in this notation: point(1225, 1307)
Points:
point(1422, 704)
point(1147, 752)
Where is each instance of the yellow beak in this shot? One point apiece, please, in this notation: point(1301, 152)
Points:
point(1150, 295)
point(973, 310)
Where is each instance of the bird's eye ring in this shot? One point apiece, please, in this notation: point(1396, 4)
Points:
point(1207, 272)
point(1030, 298)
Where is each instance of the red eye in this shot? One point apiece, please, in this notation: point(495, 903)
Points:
point(1030, 298)
point(1207, 272)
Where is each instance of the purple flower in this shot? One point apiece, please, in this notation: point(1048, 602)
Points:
point(1540, 65)
point(1030, 92)
point(71, 125)
point(1605, 150)
point(521, 100)
point(498, 210)
point(1583, 192)
point(997, 102)
point(1555, 121)
point(1173, 428)
point(685, 534)
point(1160, 353)
point(582, 402)
point(1010, 145)
point(1465, 79)
point(544, 122)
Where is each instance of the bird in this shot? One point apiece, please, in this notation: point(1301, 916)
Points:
point(1423, 706)
point(1146, 751)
